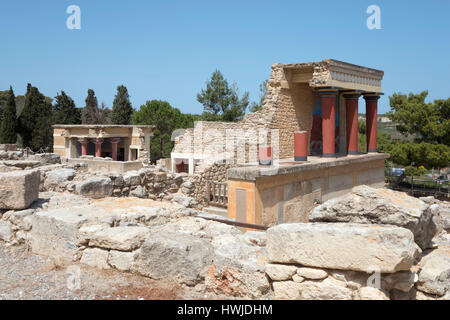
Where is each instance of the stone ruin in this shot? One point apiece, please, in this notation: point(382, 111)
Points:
point(371, 243)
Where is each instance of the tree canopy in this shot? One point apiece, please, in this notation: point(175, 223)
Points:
point(166, 119)
point(8, 124)
point(91, 113)
point(65, 111)
point(35, 121)
point(429, 123)
point(221, 102)
point(122, 109)
point(256, 106)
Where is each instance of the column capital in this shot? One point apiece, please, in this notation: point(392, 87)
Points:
point(351, 95)
point(114, 140)
point(371, 97)
point(331, 93)
point(83, 140)
point(98, 140)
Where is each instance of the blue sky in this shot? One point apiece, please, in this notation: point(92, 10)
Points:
point(168, 49)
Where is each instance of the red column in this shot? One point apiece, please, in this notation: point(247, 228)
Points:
point(301, 145)
point(328, 99)
point(351, 102)
point(114, 142)
point(371, 121)
point(84, 143)
point(98, 147)
point(133, 154)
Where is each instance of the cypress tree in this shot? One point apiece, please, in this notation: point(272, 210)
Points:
point(122, 109)
point(35, 121)
point(64, 111)
point(8, 125)
point(88, 115)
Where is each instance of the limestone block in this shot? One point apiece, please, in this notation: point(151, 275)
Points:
point(122, 261)
point(370, 293)
point(434, 276)
point(5, 231)
point(280, 272)
point(119, 238)
point(344, 246)
point(312, 274)
point(380, 206)
point(95, 257)
point(95, 188)
point(19, 189)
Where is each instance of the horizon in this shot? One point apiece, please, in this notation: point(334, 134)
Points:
point(167, 51)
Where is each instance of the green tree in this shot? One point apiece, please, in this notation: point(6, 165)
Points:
point(122, 109)
point(8, 125)
point(64, 110)
point(221, 102)
point(256, 106)
point(430, 125)
point(35, 121)
point(166, 119)
point(91, 113)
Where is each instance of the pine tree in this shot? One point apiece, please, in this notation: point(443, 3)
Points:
point(35, 121)
point(122, 109)
point(64, 111)
point(88, 115)
point(8, 125)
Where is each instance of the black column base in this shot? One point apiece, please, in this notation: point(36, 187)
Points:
point(300, 158)
point(329, 155)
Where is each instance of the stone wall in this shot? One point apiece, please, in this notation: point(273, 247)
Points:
point(147, 183)
point(197, 185)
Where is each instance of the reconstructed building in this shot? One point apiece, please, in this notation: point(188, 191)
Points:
point(118, 142)
point(320, 99)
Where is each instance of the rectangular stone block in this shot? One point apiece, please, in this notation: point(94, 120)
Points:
point(344, 246)
point(19, 189)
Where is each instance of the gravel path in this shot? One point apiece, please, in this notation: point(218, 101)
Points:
point(28, 276)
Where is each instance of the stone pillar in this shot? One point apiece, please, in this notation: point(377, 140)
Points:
point(98, 147)
point(84, 142)
point(371, 121)
point(265, 155)
point(132, 155)
point(328, 99)
point(351, 102)
point(114, 142)
point(301, 145)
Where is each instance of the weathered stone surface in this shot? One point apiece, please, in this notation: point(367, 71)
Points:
point(169, 255)
point(47, 158)
point(119, 238)
point(184, 201)
point(5, 231)
point(132, 178)
point(402, 281)
point(19, 189)
point(280, 272)
point(298, 278)
point(123, 261)
point(286, 290)
point(139, 192)
point(370, 293)
point(380, 206)
point(57, 177)
point(312, 274)
point(95, 188)
point(18, 218)
point(434, 276)
point(95, 257)
point(345, 246)
point(328, 289)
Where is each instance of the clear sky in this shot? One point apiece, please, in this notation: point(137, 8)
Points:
point(168, 49)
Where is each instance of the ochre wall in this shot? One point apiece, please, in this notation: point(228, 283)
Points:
point(288, 198)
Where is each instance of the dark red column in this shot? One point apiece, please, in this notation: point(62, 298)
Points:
point(328, 99)
point(84, 143)
point(98, 147)
point(301, 145)
point(351, 103)
point(114, 142)
point(371, 121)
